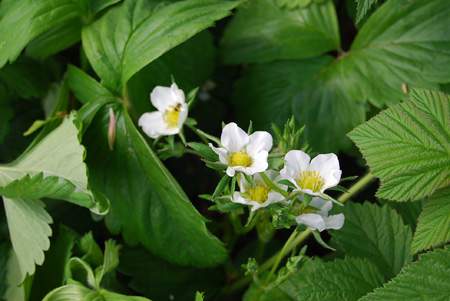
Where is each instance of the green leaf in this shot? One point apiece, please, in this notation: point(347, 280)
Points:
point(433, 227)
point(29, 230)
point(159, 280)
point(53, 168)
point(409, 211)
point(363, 7)
point(110, 260)
point(147, 204)
point(407, 147)
point(51, 274)
point(377, 234)
point(142, 33)
point(342, 279)
point(73, 292)
point(266, 92)
point(24, 20)
point(425, 279)
point(92, 253)
point(4, 255)
point(189, 64)
point(263, 32)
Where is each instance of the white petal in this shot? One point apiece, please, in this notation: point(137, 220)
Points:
point(152, 124)
point(335, 221)
point(183, 115)
point(233, 138)
point(259, 163)
point(237, 198)
point(164, 97)
point(328, 167)
point(259, 141)
point(295, 161)
point(322, 205)
point(312, 220)
point(223, 154)
point(274, 197)
point(231, 171)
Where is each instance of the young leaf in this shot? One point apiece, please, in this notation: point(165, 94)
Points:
point(377, 234)
point(433, 227)
point(143, 33)
point(407, 147)
point(342, 279)
point(29, 230)
point(421, 280)
point(147, 204)
point(263, 32)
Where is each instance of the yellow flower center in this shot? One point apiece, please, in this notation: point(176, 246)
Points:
point(310, 180)
point(258, 193)
point(171, 116)
point(240, 159)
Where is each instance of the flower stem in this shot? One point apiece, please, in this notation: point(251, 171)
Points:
point(293, 242)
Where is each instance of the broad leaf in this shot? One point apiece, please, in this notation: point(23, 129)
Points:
point(377, 234)
point(147, 204)
point(189, 64)
point(143, 32)
point(409, 211)
point(159, 280)
point(262, 31)
point(29, 230)
point(342, 279)
point(407, 146)
point(266, 92)
point(21, 21)
point(433, 227)
point(422, 280)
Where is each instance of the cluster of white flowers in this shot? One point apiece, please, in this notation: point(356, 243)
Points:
point(248, 154)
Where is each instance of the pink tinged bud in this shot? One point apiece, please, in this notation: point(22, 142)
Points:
point(111, 129)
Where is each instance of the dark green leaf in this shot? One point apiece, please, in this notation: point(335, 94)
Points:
point(262, 32)
point(159, 280)
point(147, 204)
point(377, 234)
point(363, 7)
point(342, 279)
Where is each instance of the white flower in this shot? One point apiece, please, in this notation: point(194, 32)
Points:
point(171, 113)
point(311, 176)
point(243, 152)
point(257, 195)
point(320, 220)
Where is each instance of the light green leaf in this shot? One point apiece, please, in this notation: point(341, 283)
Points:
point(266, 92)
point(92, 253)
point(426, 279)
point(21, 21)
point(433, 227)
point(342, 279)
point(363, 7)
point(143, 32)
point(73, 292)
point(110, 260)
point(377, 234)
point(29, 230)
point(262, 32)
point(147, 204)
point(407, 146)
point(53, 168)
point(199, 296)
point(51, 274)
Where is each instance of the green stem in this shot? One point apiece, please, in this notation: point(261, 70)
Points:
point(273, 186)
point(293, 243)
point(280, 255)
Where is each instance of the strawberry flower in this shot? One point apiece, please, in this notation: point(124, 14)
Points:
point(317, 216)
point(171, 113)
point(242, 152)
